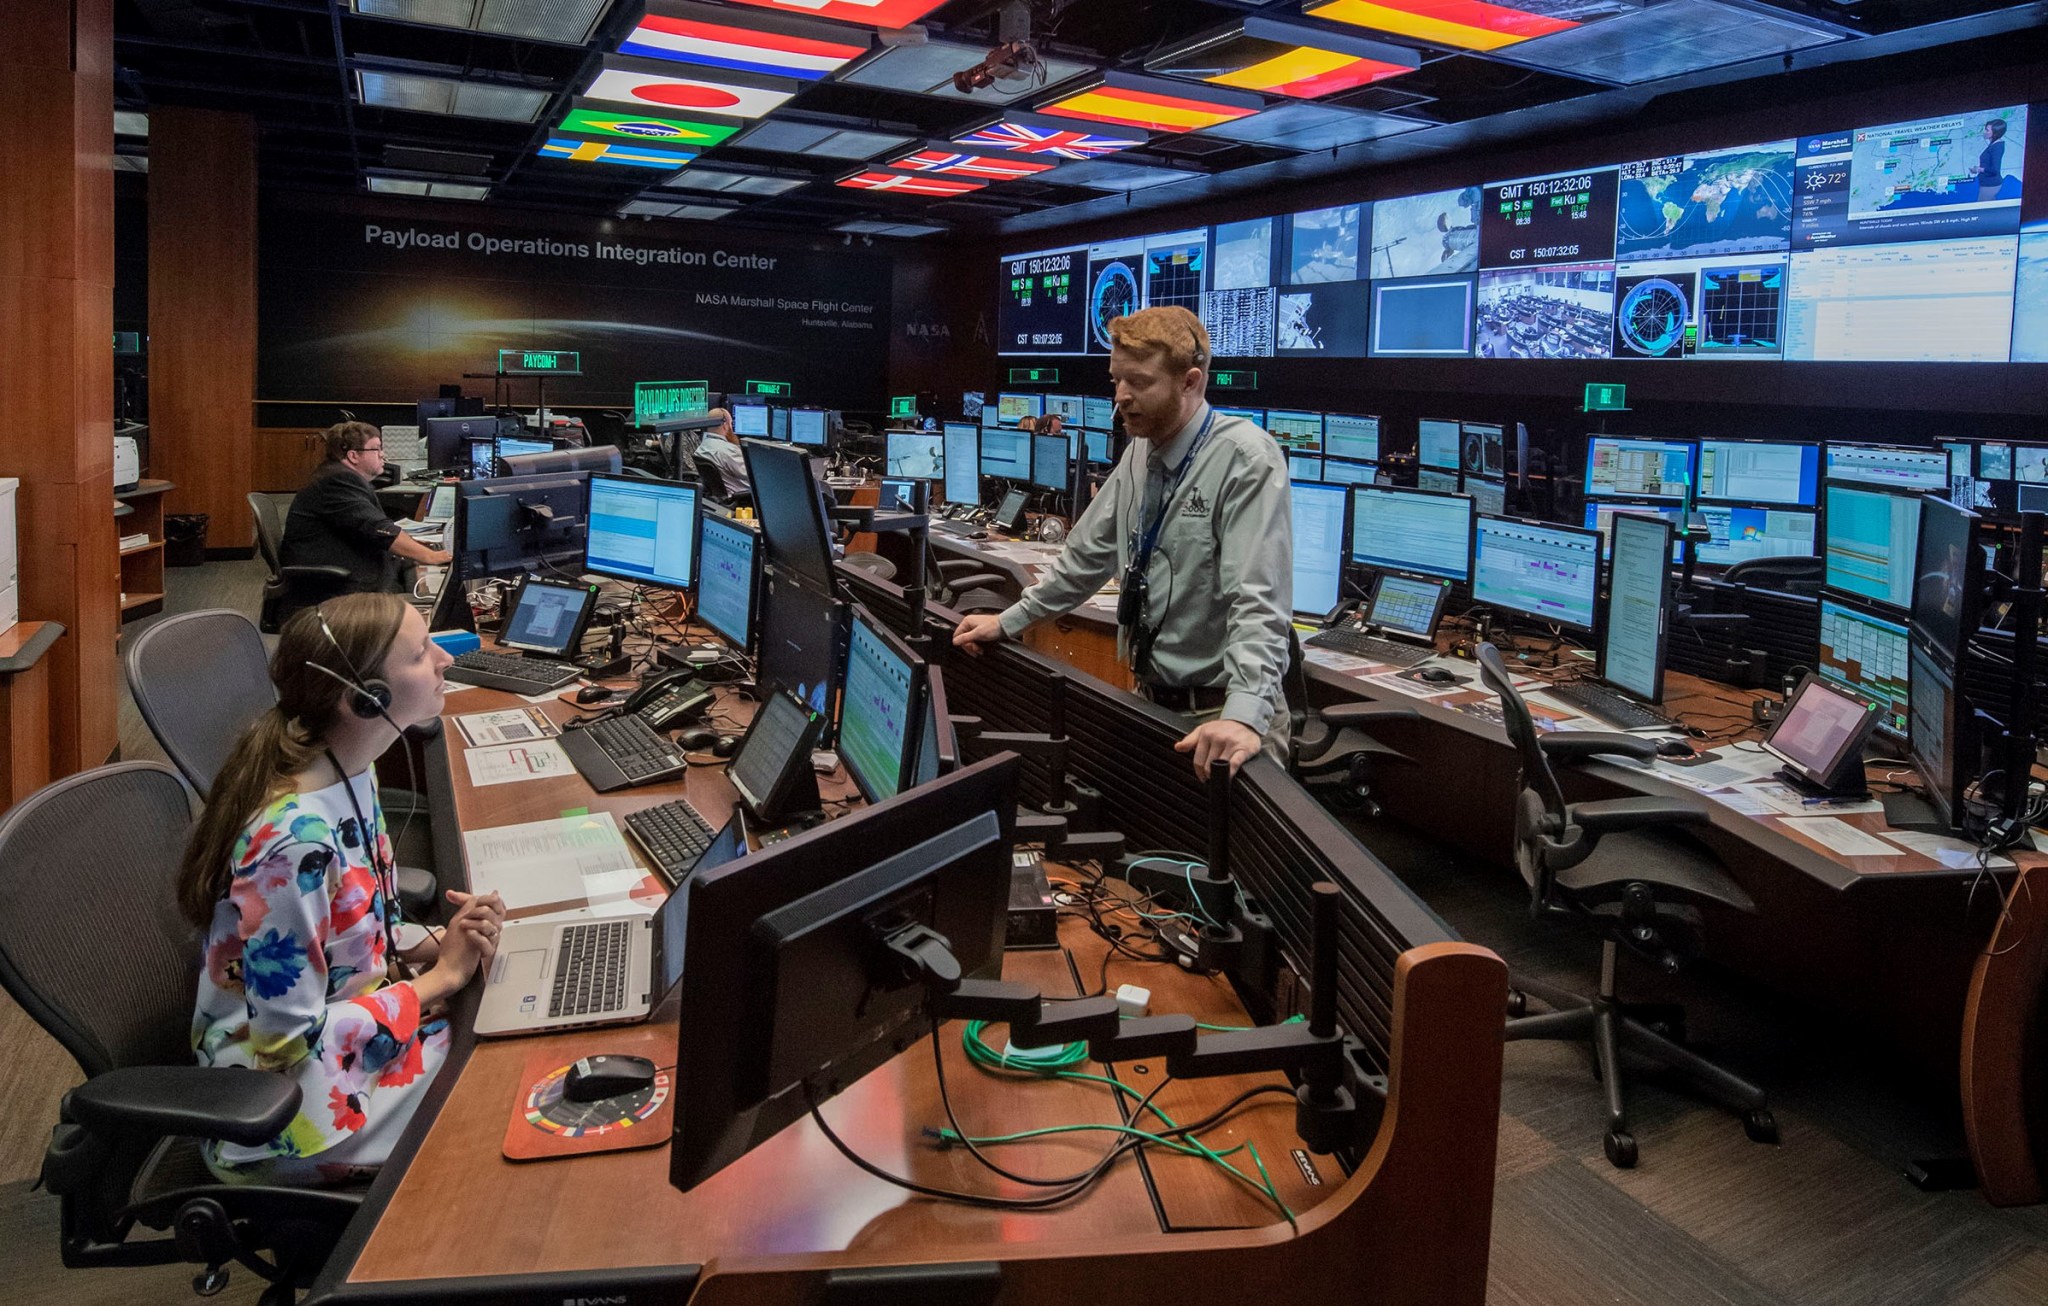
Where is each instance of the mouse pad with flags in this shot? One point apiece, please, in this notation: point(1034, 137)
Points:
point(545, 1124)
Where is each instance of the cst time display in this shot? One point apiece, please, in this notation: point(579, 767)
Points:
point(1044, 302)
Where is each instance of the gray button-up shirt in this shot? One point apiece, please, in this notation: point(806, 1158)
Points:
point(1222, 575)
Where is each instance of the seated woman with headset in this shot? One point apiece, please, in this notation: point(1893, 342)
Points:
point(289, 872)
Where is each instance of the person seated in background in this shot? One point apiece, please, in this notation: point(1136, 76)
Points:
point(289, 873)
point(337, 521)
point(721, 448)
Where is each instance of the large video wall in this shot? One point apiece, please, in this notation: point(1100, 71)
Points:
point(1911, 241)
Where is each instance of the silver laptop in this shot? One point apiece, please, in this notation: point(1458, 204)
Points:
point(586, 968)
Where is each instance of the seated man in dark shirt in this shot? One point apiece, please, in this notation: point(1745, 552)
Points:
point(336, 520)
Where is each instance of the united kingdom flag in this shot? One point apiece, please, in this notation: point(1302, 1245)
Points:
point(970, 165)
point(875, 179)
point(1060, 142)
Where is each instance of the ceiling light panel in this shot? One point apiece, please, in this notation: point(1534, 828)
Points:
point(904, 229)
point(563, 22)
point(928, 70)
point(868, 13)
point(1109, 175)
point(734, 183)
point(667, 209)
point(615, 121)
point(1466, 24)
point(415, 93)
point(657, 85)
point(1030, 133)
point(899, 183)
point(987, 167)
point(1667, 40)
point(1302, 63)
point(1308, 127)
point(759, 43)
point(131, 122)
point(818, 140)
point(1152, 104)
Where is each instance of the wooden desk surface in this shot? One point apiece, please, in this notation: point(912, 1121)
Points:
point(461, 1210)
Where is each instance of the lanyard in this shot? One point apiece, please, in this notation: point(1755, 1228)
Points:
point(1151, 535)
point(386, 885)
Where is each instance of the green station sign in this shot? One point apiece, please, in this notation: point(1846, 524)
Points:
point(772, 389)
point(540, 362)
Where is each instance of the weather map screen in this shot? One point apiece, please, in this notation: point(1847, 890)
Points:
point(1012, 409)
point(876, 709)
point(1043, 305)
point(1937, 178)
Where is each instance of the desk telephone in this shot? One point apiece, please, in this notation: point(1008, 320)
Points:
point(669, 700)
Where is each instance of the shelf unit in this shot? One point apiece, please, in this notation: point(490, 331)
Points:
point(139, 511)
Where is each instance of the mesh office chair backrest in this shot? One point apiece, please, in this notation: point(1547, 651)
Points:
point(1541, 799)
point(199, 678)
point(91, 943)
point(269, 529)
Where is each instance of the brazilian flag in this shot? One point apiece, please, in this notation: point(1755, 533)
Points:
point(625, 124)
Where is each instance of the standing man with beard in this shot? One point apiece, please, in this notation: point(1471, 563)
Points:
point(1195, 520)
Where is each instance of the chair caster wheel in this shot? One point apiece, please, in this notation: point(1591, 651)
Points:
point(1760, 1125)
point(1518, 1004)
point(208, 1282)
point(1621, 1150)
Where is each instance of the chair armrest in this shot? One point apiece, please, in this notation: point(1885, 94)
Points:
point(980, 580)
point(234, 1105)
point(1366, 714)
point(950, 567)
point(1576, 746)
point(1613, 815)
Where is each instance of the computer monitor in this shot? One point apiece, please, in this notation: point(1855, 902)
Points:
point(483, 459)
point(1865, 653)
point(2031, 498)
point(2030, 463)
point(1436, 443)
point(1010, 512)
point(1962, 458)
point(1098, 413)
point(1888, 465)
point(728, 577)
point(1870, 542)
point(1738, 534)
point(547, 616)
point(963, 462)
point(915, 454)
point(1006, 453)
point(791, 505)
point(771, 770)
point(1304, 467)
point(1416, 531)
point(778, 423)
point(1297, 432)
point(1624, 467)
point(1943, 738)
point(1632, 644)
point(1070, 409)
point(642, 530)
point(778, 990)
point(971, 404)
point(595, 458)
point(1100, 445)
point(1429, 478)
point(511, 446)
point(903, 494)
point(517, 524)
point(1049, 464)
point(1482, 450)
point(903, 406)
point(1948, 578)
point(750, 420)
point(440, 504)
point(1488, 495)
point(802, 632)
point(810, 426)
point(1551, 573)
point(1600, 515)
point(1994, 461)
point(1256, 416)
point(1408, 605)
point(447, 438)
point(1820, 737)
point(1346, 435)
point(938, 748)
point(1756, 471)
point(880, 709)
point(426, 409)
point(1014, 408)
point(1344, 471)
point(1320, 516)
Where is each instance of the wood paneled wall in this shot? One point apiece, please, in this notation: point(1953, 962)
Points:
point(202, 314)
point(57, 316)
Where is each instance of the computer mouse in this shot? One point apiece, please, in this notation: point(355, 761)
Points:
point(698, 739)
point(1436, 676)
point(725, 745)
point(595, 1078)
point(593, 694)
point(977, 535)
point(1674, 748)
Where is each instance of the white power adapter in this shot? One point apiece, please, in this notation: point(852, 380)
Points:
point(1132, 1001)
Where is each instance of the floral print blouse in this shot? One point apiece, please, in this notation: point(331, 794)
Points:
point(296, 980)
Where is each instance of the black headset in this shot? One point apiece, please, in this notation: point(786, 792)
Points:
point(370, 696)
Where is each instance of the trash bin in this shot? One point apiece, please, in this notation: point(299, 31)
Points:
point(185, 539)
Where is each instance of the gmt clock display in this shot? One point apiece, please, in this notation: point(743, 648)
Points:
point(1565, 218)
point(1044, 302)
point(540, 362)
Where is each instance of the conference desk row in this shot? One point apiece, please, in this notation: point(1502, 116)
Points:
point(1407, 1219)
point(1948, 962)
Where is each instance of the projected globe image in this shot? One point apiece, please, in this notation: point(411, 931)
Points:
point(1652, 318)
point(1114, 294)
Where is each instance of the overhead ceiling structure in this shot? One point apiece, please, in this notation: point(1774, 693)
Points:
point(908, 118)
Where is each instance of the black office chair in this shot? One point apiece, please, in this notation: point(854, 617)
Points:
point(965, 584)
point(1332, 751)
point(199, 679)
point(91, 859)
point(1625, 868)
point(287, 589)
point(1786, 575)
point(715, 488)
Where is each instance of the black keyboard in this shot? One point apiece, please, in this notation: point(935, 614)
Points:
point(590, 972)
point(1359, 644)
point(956, 527)
point(673, 835)
point(621, 752)
point(1602, 702)
point(511, 673)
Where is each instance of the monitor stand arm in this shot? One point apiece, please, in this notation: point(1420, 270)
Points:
point(1338, 1104)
